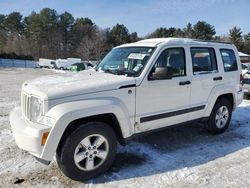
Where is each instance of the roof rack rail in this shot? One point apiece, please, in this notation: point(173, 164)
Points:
point(199, 40)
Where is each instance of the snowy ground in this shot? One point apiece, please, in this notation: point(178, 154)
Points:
point(186, 156)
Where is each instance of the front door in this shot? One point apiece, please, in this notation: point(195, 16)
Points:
point(161, 103)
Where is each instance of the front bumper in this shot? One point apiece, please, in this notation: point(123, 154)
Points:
point(28, 135)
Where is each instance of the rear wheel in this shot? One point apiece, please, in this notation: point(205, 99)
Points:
point(88, 151)
point(220, 117)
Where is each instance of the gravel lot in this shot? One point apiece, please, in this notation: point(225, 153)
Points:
point(184, 156)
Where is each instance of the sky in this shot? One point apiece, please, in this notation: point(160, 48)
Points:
point(144, 16)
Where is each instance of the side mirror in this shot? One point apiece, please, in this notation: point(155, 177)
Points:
point(162, 73)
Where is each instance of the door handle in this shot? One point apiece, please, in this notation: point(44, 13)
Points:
point(184, 83)
point(217, 78)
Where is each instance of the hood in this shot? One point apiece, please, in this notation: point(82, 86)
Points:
point(54, 87)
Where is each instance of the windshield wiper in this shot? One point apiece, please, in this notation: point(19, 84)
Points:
point(108, 70)
point(120, 72)
point(129, 73)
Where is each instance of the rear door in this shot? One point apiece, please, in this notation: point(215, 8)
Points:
point(205, 76)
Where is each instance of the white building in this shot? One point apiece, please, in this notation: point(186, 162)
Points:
point(244, 58)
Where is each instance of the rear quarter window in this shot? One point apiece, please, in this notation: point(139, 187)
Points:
point(229, 60)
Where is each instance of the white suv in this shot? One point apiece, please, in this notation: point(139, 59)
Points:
point(136, 88)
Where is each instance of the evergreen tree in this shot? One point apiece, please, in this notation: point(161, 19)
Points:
point(204, 31)
point(118, 35)
point(236, 37)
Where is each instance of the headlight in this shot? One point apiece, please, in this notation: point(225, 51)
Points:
point(35, 109)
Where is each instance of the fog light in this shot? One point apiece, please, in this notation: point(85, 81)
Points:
point(44, 138)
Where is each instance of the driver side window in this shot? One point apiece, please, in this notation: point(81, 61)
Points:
point(173, 58)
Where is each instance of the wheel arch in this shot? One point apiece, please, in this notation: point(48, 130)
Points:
point(215, 96)
point(108, 118)
point(229, 97)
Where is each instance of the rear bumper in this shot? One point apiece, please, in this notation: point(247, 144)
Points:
point(27, 135)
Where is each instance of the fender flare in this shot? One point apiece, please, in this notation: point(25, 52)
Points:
point(65, 113)
point(215, 94)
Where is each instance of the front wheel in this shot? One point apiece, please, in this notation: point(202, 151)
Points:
point(88, 151)
point(220, 117)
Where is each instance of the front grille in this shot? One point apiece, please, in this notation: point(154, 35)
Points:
point(25, 103)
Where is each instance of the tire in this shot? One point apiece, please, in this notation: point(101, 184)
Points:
point(70, 149)
point(220, 116)
point(61, 68)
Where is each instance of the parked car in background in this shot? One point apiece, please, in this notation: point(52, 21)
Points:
point(61, 64)
point(244, 67)
point(76, 67)
point(89, 64)
point(246, 84)
point(64, 64)
point(46, 63)
point(53, 64)
point(73, 60)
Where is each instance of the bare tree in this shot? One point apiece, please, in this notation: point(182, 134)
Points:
point(92, 47)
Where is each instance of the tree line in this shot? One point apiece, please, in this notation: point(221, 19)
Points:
point(48, 34)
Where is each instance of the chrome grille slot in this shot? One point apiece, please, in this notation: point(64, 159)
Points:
point(25, 102)
point(28, 108)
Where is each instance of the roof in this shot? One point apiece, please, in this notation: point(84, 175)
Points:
point(243, 55)
point(173, 41)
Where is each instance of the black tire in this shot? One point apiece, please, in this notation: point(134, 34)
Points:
point(66, 151)
point(211, 125)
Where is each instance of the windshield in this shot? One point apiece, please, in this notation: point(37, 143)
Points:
point(128, 61)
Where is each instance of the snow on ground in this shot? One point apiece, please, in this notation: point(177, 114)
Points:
point(184, 156)
point(56, 70)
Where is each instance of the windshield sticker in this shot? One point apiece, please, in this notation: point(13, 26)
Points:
point(125, 64)
point(136, 56)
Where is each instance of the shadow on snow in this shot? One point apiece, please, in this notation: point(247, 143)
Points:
point(177, 148)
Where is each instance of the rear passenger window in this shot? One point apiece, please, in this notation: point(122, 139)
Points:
point(204, 60)
point(229, 60)
point(174, 58)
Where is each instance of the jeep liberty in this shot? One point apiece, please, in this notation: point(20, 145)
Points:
point(138, 87)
